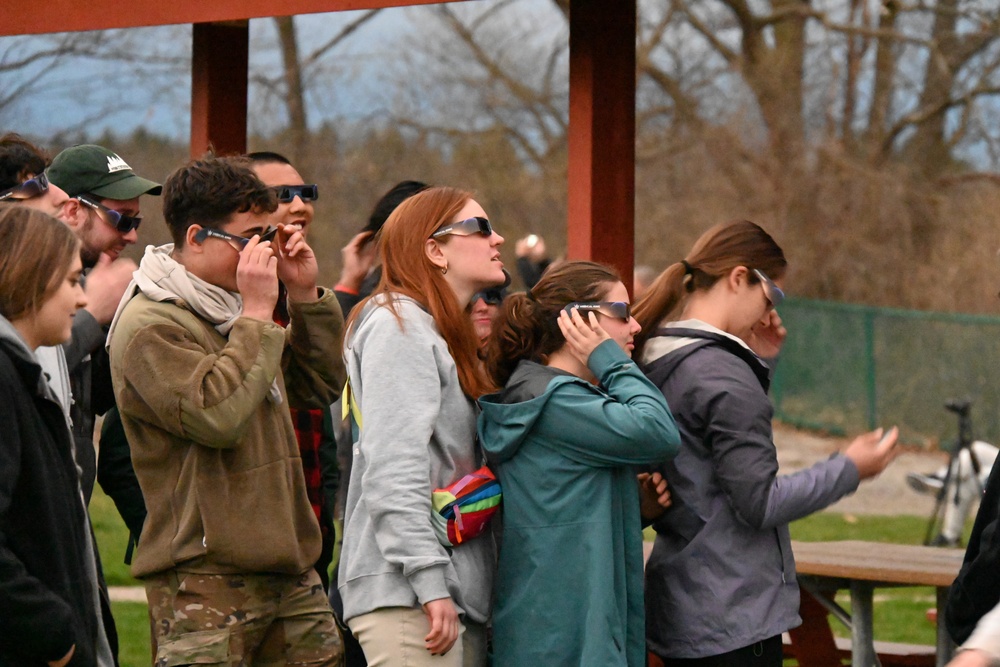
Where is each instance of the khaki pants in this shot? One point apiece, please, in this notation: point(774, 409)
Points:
point(245, 619)
point(394, 637)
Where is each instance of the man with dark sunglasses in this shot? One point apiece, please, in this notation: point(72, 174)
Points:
point(103, 211)
point(205, 379)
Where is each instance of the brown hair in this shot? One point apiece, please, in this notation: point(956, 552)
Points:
point(19, 158)
point(407, 270)
point(36, 252)
point(207, 191)
point(717, 252)
point(527, 325)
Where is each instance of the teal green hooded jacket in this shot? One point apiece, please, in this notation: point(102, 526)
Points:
point(569, 585)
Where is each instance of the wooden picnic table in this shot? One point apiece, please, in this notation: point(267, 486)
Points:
point(861, 567)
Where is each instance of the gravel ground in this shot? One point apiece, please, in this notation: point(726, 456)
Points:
point(887, 494)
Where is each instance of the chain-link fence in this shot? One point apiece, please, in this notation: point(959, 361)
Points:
point(847, 368)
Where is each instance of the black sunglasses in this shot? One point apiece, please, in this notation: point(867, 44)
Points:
point(466, 227)
point(619, 309)
point(241, 241)
point(123, 223)
point(492, 297)
point(27, 190)
point(286, 193)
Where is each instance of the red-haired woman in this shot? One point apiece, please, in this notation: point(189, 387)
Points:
point(414, 376)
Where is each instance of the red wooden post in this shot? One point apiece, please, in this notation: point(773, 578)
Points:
point(602, 65)
point(219, 87)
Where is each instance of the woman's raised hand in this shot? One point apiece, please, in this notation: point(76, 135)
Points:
point(582, 336)
point(872, 452)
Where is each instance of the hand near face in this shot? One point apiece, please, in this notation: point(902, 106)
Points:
point(357, 259)
point(257, 279)
point(767, 336)
point(582, 336)
point(297, 266)
point(105, 285)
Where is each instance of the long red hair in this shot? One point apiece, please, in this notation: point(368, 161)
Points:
point(407, 270)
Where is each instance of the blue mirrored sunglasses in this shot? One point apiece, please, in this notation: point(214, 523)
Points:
point(466, 227)
point(123, 223)
point(286, 193)
point(492, 297)
point(241, 241)
point(619, 309)
point(29, 189)
point(772, 292)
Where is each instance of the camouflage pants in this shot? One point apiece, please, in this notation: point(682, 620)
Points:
point(237, 620)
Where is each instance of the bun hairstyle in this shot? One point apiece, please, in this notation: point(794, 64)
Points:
point(407, 270)
point(526, 326)
point(717, 252)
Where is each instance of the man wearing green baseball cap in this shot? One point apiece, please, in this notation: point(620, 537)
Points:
point(103, 189)
point(103, 211)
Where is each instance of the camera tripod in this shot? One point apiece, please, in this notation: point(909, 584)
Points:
point(951, 487)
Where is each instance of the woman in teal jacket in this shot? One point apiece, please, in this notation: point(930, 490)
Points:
point(574, 417)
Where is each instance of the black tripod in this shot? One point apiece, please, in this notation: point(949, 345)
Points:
point(951, 486)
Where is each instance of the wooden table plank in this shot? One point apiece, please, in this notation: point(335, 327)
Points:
point(900, 564)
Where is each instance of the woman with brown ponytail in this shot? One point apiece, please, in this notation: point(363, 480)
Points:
point(574, 417)
point(720, 584)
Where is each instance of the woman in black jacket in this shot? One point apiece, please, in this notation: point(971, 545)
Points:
point(49, 602)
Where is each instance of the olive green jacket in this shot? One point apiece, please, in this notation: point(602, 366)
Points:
point(213, 448)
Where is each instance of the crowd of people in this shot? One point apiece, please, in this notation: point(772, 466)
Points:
point(244, 404)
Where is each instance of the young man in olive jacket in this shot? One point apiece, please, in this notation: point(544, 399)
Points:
point(200, 372)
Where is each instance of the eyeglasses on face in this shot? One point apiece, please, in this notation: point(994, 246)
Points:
point(29, 189)
point(466, 227)
point(492, 297)
point(772, 292)
point(123, 223)
point(618, 309)
point(286, 193)
point(238, 242)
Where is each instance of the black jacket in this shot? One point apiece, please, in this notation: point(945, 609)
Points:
point(977, 588)
point(46, 593)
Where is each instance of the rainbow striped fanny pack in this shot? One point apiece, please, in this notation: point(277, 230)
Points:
point(462, 510)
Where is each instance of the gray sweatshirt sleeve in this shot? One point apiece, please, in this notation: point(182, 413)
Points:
point(400, 402)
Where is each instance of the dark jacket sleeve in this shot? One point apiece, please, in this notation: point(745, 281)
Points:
point(27, 605)
point(116, 475)
point(977, 588)
point(87, 335)
point(329, 469)
point(738, 433)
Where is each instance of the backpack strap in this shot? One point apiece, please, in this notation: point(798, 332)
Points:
point(349, 407)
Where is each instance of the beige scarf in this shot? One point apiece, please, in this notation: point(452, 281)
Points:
point(162, 278)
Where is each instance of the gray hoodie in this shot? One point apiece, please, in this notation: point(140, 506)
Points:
point(418, 433)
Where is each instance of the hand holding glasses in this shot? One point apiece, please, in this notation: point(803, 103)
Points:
point(237, 242)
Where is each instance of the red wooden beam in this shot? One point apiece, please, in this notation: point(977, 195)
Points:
point(219, 88)
point(22, 17)
point(601, 202)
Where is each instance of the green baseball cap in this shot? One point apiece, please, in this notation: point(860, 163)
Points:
point(96, 170)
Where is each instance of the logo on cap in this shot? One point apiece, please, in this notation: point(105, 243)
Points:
point(115, 163)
